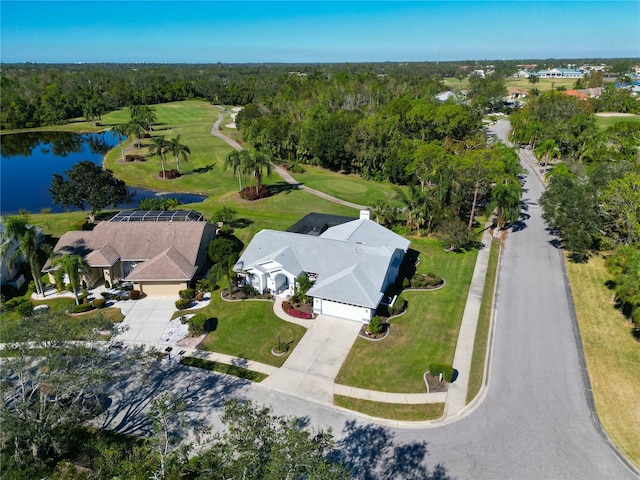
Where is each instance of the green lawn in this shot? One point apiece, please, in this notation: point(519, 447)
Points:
point(346, 187)
point(612, 354)
point(476, 373)
point(426, 333)
point(247, 329)
point(604, 122)
point(392, 411)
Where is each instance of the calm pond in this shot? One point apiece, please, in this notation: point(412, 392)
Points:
point(29, 160)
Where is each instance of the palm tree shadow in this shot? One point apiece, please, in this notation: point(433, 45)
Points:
point(205, 169)
point(369, 452)
point(279, 187)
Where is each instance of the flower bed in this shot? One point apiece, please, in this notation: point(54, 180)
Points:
point(291, 310)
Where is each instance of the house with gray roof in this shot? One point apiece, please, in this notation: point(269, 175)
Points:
point(352, 264)
point(159, 256)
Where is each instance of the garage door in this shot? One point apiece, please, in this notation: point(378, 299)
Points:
point(161, 288)
point(342, 310)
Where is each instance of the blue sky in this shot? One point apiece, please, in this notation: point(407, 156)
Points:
point(242, 31)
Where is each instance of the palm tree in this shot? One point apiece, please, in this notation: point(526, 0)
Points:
point(30, 246)
point(178, 150)
point(546, 150)
point(302, 285)
point(145, 114)
point(258, 163)
point(235, 161)
point(159, 146)
point(122, 132)
point(223, 271)
point(73, 266)
point(135, 128)
point(505, 199)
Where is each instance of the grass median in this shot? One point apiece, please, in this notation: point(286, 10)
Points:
point(476, 373)
point(392, 411)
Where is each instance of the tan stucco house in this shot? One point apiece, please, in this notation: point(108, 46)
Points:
point(159, 254)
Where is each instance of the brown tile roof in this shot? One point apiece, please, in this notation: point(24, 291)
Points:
point(137, 241)
point(103, 257)
point(167, 265)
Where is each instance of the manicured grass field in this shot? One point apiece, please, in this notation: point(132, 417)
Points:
point(247, 329)
point(223, 368)
point(476, 373)
point(203, 173)
point(391, 411)
point(612, 354)
point(346, 187)
point(605, 122)
point(427, 333)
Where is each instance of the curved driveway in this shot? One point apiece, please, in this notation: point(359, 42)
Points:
point(535, 421)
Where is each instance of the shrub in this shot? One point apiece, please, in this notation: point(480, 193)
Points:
point(99, 303)
point(183, 303)
point(249, 193)
point(434, 281)
point(197, 324)
point(431, 274)
point(415, 283)
point(249, 291)
point(187, 293)
point(133, 158)
point(375, 326)
point(25, 308)
point(83, 297)
point(83, 307)
point(446, 371)
point(399, 306)
point(406, 283)
point(106, 295)
point(289, 309)
point(107, 284)
point(170, 174)
point(203, 286)
point(199, 296)
point(134, 295)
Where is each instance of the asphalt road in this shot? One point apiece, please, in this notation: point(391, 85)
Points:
point(535, 422)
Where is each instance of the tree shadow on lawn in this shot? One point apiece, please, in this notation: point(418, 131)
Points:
point(279, 187)
point(132, 393)
point(369, 452)
point(205, 169)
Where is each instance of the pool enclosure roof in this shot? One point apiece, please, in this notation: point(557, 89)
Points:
point(158, 216)
point(317, 223)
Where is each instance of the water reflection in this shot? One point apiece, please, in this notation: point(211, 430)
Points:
point(29, 160)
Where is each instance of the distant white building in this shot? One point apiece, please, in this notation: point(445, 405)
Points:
point(559, 73)
point(444, 96)
point(521, 74)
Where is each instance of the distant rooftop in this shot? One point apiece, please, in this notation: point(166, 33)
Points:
point(158, 216)
point(317, 223)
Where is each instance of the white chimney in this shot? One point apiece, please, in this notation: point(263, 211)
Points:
point(365, 214)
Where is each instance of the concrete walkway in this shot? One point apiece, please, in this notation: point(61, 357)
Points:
point(313, 365)
point(457, 392)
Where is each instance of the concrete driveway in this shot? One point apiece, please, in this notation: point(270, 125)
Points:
point(312, 367)
point(147, 319)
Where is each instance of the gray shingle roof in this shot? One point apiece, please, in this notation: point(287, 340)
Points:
point(367, 232)
point(351, 267)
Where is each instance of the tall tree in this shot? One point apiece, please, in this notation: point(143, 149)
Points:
point(145, 114)
point(259, 164)
point(546, 151)
point(179, 151)
point(74, 267)
point(235, 161)
point(160, 147)
point(122, 131)
point(30, 246)
point(505, 199)
point(135, 128)
point(87, 184)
